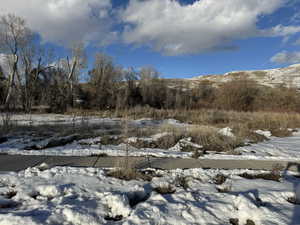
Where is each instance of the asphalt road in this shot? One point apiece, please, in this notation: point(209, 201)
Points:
point(21, 162)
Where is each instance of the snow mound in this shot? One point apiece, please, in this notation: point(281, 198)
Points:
point(246, 209)
point(118, 204)
point(227, 131)
point(48, 190)
point(77, 218)
point(267, 134)
point(10, 219)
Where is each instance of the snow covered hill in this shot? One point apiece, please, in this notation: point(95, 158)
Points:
point(288, 76)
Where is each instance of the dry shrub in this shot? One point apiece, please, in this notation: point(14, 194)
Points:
point(211, 140)
point(222, 143)
point(250, 222)
point(196, 154)
point(278, 99)
point(126, 174)
point(243, 132)
point(165, 189)
point(234, 221)
point(182, 181)
point(10, 194)
point(264, 176)
point(164, 142)
point(115, 219)
point(238, 94)
point(221, 118)
point(218, 117)
point(281, 132)
point(226, 189)
point(294, 200)
point(125, 170)
point(206, 136)
point(142, 131)
point(219, 179)
point(111, 140)
point(6, 123)
point(169, 140)
point(277, 123)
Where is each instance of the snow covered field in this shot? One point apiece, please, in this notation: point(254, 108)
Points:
point(284, 149)
point(64, 195)
point(76, 196)
point(29, 143)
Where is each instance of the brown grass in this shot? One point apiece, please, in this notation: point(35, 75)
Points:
point(219, 179)
point(111, 140)
point(224, 189)
point(264, 176)
point(251, 120)
point(125, 170)
point(182, 181)
point(165, 189)
point(206, 136)
point(127, 174)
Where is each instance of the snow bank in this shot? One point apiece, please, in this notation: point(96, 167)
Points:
point(75, 196)
point(227, 131)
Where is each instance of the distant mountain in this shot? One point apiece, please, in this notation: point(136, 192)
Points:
point(288, 76)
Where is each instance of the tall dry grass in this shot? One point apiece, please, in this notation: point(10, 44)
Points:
point(219, 118)
point(206, 136)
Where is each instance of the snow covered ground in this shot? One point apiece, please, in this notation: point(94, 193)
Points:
point(29, 143)
point(284, 149)
point(64, 195)
point(56, 119)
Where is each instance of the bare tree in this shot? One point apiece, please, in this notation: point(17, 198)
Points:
point(104, 79)
point(153, 89)
point(34, 63)
point(14, 35)
point(74, 67)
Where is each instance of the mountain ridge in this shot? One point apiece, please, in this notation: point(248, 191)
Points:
point(288, 76)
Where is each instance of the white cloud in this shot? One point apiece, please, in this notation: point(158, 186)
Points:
point(297, 42)
point(165, 25)
point(65, 21)
point(280, 30)
point(206, 25)
point(286, 57)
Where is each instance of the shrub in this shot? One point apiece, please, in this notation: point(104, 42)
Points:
point(182, 181)
point(165, 189)
point(219, 179)
point(125, 170)
point(126, 174)
point(294, 200)
point(265, 176)
point(6, 123)
point(238, 94)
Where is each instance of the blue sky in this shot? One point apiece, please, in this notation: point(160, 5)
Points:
point(182, 38)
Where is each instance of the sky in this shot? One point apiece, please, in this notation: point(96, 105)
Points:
point(180, 38)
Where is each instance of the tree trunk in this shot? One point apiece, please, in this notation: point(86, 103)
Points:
point(71, 85)
point(11, 81)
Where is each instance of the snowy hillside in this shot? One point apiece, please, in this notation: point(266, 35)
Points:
point(289, 76)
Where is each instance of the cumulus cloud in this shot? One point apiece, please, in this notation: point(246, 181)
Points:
point(165, 25)
point(65, 21)
point(206, 25)
point(286, 57)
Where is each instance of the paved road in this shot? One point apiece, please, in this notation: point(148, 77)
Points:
point(21, 162)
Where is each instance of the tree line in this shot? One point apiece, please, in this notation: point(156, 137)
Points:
point(32, 75)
